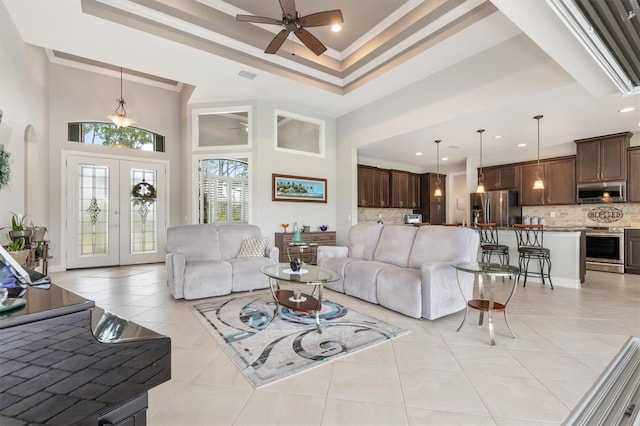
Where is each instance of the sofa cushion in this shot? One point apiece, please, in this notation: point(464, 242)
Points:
point(400, 289)
point(207, 278)
point(232, 235)
point(395, 244)
point(363, 239)
point(196, 242)
point(360, 279)
point(336, 264)
point(246, 274)
point(444, 244)
point(253, 247)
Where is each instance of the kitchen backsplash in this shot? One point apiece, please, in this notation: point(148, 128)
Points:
point(615, 214)
point(388, 216)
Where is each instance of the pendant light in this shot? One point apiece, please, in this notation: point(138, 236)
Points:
point(480, 188)
point(438, 191)
point(120, 118)
point(538, 184)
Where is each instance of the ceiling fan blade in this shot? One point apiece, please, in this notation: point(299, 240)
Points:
point(258, 19)
point(310, 41)
point(319, 19)
point(277, 42)
point(289, 8)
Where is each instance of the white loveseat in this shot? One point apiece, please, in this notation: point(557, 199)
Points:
point(404, 268)
point(202, 260)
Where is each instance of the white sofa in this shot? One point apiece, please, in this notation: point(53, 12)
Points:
point(404, 268)
point(202, 260)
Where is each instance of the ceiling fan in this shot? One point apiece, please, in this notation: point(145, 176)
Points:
point(293, 22)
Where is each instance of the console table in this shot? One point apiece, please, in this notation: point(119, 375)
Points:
point(282, 240)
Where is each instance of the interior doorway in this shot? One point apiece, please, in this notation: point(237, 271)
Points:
point(115, 211)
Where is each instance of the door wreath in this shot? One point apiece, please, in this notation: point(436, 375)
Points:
point(4, 167)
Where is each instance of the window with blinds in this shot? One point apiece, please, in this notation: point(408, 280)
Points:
point(224, 191)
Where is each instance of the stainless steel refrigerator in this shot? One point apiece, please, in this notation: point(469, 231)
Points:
point(499, 207)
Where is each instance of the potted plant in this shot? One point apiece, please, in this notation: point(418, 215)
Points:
point(37, 232)
point(18, 250)
point(18, 230)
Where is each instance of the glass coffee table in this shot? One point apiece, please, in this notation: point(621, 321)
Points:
point(491, 270)
point(292, 299)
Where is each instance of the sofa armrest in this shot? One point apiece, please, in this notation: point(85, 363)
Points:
point(332, 251)
point(273, 253)
point(440, 290)
point(175, 263)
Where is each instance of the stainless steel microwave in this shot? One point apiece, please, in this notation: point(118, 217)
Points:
point(602, 192)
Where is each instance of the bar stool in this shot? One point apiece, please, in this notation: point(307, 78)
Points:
point(530, 246)
point(490, 246)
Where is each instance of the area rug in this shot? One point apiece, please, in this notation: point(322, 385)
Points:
point(267, 349)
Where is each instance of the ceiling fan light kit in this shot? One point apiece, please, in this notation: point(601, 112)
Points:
point(292, 22)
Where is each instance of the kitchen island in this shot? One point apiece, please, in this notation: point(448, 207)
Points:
point(567, 246)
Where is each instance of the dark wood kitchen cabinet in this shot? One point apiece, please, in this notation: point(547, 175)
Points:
point(399, 184)
point(603, 158)
point(373, 187)
point(433, 209)
point(559, 179)
point(499, 177)
point(633, 188)
point(632, 251)
point(414, 191)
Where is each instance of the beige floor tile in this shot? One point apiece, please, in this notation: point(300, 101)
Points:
point(555, 366)
point(586, 343)
point(381, 353)
point(411, 355)
point(199, 405)
point(489, 360)
point(440, 390)
point(312, 382)
point(354, 413)
point(365, 382)
point(518, 398)
point(268, 408)
point(421, 417)
point(570, 393)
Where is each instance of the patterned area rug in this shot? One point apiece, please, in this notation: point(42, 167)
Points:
point(267, 349)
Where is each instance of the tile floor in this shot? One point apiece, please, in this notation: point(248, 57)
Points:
point(434, 375)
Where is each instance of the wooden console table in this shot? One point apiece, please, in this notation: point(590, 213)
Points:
point(283, 239)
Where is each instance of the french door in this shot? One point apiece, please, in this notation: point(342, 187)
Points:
point(116, 212)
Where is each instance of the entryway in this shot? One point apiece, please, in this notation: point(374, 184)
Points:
point(115, 211)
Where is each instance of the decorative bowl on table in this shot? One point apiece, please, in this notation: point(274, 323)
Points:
point(324, 227)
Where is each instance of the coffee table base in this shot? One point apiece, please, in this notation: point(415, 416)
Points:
point(311, 305)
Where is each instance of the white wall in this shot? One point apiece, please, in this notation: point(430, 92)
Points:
point(23, 100)
point(265, 160)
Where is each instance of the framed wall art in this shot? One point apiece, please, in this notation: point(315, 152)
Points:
point(298, 188)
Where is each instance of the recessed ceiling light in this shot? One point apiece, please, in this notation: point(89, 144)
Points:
point(445, 158)
point(418, 153)
point(520, 145)
point(336, 28)
point(497, 137)
point(627, 109)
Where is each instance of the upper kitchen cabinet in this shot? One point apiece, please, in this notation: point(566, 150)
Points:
point(633, 188)
point(414, 190)
point(559, 177)
point(373, 187)
point(400, 189)
point(602, 159)
point(499, 177)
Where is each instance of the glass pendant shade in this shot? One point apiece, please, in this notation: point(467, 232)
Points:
point(438, 191)
point(119, 118)
point(480, 188)
point(538, 184)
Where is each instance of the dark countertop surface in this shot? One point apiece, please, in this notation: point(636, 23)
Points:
point(64, 361)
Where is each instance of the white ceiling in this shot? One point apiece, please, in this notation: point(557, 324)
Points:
point(401, 74)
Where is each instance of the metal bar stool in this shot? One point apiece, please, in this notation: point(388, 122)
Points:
point(490, 246)
point(530, 246)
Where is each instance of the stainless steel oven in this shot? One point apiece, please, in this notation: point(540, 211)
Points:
point(605, 250)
